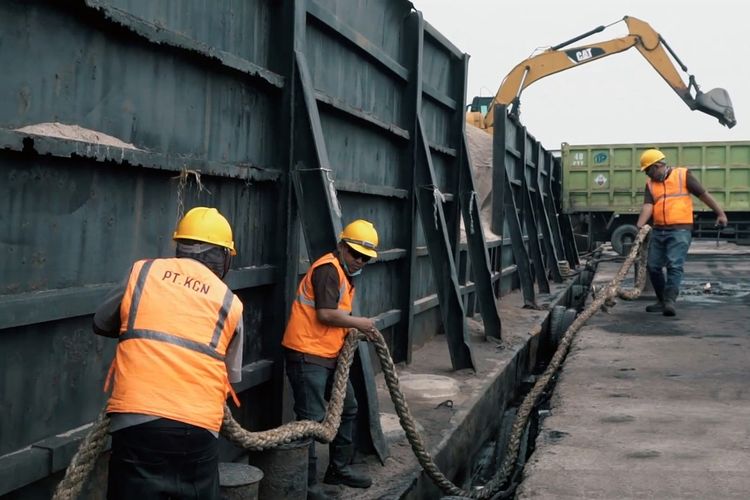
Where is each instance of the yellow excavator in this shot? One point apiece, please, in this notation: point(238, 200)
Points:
point(649, 43)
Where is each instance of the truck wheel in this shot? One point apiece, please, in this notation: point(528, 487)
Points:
point(622, 237)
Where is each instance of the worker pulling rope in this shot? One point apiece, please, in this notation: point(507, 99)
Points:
point(93, 444)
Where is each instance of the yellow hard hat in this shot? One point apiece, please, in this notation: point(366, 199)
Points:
point(206, 225)
point(649, 157)
point(361, 236)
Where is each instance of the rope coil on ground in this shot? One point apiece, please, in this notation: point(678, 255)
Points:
point(93, 444)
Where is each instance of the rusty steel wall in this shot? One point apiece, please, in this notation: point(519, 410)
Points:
point(528, 213)
point(292, 118)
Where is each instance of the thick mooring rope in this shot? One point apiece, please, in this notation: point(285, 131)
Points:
point(640, 273)
point(323, 431)
point(93, 444)
point(530, 401)
point(85, 458)
point(519, 425)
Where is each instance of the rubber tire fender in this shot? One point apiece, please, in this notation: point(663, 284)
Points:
point(559, 322)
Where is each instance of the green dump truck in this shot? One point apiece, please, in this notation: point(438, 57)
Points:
point(603, 188)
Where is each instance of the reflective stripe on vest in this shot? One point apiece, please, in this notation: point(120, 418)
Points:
point(673, 203)
point(171, 339)
point(132, 333)
point(178, 320)
point(304, 332)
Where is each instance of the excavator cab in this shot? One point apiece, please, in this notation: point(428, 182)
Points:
point(476, 111)
point(716, 102)
point(480, 104)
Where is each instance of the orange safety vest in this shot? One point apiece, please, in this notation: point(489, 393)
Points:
point(177, 319)
point(304, 332)
point(673, 203)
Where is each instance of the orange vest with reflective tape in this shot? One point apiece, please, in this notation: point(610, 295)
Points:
point(177, 319)
point(304, 332)
point(673, 203)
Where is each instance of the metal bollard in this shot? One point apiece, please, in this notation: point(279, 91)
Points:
point(239, 481)
point(284, 470)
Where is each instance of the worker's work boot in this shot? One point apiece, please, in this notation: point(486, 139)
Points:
point(658, 306)
point(347, 476)
point(340, 472)
point(315, 492)
point(670, 296)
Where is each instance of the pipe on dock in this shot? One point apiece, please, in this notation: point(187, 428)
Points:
point(284, 468)
point(239, 481)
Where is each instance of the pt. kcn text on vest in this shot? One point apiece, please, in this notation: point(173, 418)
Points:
point(184, 280)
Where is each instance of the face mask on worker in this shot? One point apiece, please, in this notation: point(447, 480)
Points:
point(347, 271)
point(660, 174)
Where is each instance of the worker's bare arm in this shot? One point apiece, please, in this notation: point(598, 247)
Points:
point(721, 217)
point(336, 317)
point(646, 212)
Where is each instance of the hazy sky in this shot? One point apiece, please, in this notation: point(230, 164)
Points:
point(618, 99)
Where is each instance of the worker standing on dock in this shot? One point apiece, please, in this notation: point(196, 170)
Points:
point(180, 345)
point(667, 199)
point(318, 324)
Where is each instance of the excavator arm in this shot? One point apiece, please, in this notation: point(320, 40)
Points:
point(641, 36)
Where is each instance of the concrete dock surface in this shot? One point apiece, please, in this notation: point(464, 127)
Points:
point(645, 406)
point(648, 406)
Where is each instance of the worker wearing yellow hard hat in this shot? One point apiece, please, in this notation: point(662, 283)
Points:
point(667, 200)
point(206, 225)
point(650, 157)
point(180, 345)
point(318, 324)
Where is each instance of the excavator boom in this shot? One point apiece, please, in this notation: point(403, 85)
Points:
point(641, 36)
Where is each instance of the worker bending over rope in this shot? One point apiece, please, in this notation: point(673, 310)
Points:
point(180, 338)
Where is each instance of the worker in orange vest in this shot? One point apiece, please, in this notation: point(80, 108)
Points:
point(668, 201)
point(318, 324)
point(180, 339)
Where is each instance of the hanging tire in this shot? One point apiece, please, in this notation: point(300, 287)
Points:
point(555, 323)
point(578, 295)
point(568, 318)
point(586, 277)
point(622, 237)
point(559, 322)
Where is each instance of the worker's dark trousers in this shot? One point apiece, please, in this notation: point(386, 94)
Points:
point(311, 385)
point(163, 459)
point(668, 248)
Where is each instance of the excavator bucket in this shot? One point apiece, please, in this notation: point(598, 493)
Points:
point(716, 103)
